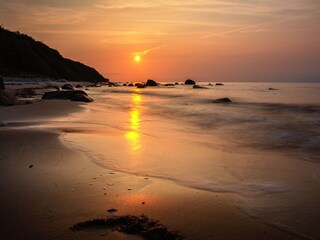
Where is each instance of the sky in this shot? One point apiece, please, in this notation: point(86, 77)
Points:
point(205, 40)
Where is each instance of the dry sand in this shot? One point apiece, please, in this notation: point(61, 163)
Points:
point(64, 187)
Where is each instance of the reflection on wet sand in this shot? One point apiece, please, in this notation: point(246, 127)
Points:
point(134, 135)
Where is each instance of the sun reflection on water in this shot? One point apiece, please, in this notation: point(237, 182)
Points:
point(134, 135)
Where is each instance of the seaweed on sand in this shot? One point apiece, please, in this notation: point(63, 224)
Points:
point(130, 224)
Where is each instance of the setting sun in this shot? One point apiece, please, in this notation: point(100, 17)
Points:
point(137, 58)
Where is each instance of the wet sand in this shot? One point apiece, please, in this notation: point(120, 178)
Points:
point(64, 187)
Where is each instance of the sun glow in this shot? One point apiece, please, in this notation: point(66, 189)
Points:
point(137, 58)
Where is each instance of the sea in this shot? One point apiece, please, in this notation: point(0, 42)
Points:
point(262, 148)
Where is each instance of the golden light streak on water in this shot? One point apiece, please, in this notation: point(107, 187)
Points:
point(134, 135)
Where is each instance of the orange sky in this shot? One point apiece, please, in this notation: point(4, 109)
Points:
point(232, 40)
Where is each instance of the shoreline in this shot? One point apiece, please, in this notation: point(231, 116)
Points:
point(64, 187)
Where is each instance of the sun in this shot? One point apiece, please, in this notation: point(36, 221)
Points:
point(137, 58)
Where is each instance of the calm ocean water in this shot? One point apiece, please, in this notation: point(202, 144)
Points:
point(263, 148)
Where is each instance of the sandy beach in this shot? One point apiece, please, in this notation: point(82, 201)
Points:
point(47, 187)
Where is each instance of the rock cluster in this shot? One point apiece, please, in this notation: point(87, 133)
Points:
point(76, 95)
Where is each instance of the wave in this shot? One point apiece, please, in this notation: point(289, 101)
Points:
point(245, 188)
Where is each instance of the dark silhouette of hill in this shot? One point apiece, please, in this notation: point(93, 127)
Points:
point(23, 56)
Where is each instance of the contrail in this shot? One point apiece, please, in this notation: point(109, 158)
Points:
point(145, 52)
point(258, 25)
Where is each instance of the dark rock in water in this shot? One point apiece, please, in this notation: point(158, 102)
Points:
point(189, 82)
point(141, 85)
point(219, 84)
point(169, 85)
point(30, 166)
point(210, 84)
point(3, 124)
point(2, 87)
point(124, 84)
point(272, 89)
point(81, 98)
point(176, 83)
point(67, 86)
point(137, 84)
point(25, 92)
point(142, 226)
point(130, 85)
point(79, 86)
point(198, 87)
point(222, 100)
point(112, 210)
point(7, 99)
point(151, 83)
point(66, 95)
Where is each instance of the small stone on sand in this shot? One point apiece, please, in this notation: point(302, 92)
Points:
point(112, 210)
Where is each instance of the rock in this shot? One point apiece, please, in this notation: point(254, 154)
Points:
point(198, 86)
point(219, 84)
point(7, 99)
point(79, 86)
point(25, 92)
point(112, 210)
point(210, 84)
point(222, 100)
point(124, 85)
point(31, 166)
point(67, 86)
point(141, 85)
point(169, 85)
point(2, 87)
point(3, 124)
point(272, 89)
point(189, 82)
point(81, 98)
point(130, 85)
point(66, 95)
point(176, 83)
point(151, 83)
